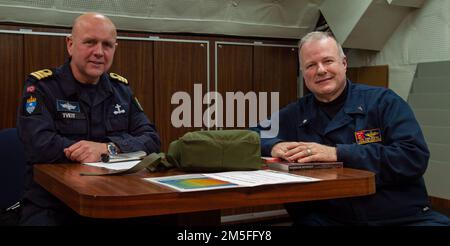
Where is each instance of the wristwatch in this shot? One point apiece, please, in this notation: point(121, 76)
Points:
point(112, 149)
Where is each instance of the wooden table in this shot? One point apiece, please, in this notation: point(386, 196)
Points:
point(130, 196)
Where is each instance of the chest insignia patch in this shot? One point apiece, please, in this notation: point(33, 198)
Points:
point(31, 104)
point(368, 136)
point(67, 106)
point(118, 109)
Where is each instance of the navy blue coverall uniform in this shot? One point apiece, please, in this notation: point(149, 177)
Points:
point(374, 130)
point(57, 111)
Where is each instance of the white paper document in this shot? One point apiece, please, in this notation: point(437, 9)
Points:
point(211, 181)
point(114, 165)
point(120, 161)
point(260, 177)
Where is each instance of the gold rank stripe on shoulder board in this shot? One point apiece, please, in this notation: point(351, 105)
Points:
point(119, 78)
point(41, 74)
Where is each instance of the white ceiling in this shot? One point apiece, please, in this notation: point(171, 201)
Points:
point(262, 18)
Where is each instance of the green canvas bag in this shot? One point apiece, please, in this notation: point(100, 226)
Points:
point(205, 151)
point(212, 151)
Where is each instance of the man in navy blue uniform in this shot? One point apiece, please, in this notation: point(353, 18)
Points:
point(365, 127)
point(77, 113)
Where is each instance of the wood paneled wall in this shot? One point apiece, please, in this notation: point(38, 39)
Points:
point(134, 61)
point(178, 66)
point(156, 69)
point(275, 69)
point(260, 69)
point(235, 68)
point(11, 69)
point(234, 73)
point(371, 75)
point(42, 52)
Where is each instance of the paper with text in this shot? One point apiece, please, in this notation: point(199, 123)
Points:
point(211, 181)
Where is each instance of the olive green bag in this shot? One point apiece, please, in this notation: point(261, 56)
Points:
point(211, 151)
point(204, 151)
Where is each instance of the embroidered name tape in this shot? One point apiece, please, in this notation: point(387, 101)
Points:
point(74, 116)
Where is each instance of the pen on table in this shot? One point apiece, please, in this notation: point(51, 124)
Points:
point(105, 158)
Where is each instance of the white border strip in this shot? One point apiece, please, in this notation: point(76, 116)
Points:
point(30, 32)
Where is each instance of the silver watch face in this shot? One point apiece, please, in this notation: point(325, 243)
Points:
point(112, 149)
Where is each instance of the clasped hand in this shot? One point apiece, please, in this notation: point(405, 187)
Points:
point(85, 151)
point(304, 152)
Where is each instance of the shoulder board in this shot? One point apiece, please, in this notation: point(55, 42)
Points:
point(119, 78)
point(42, 74)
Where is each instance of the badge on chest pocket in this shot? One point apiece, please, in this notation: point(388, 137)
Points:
point(118, 117)
point(119, 109)
point(368, 136)
point(69, 110)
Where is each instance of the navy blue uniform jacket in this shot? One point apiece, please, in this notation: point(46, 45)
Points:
point(375, 130)
point(56, 112)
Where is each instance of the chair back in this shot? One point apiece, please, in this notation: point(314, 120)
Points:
point(12, 168)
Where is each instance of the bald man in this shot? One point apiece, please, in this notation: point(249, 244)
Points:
point(77, 113)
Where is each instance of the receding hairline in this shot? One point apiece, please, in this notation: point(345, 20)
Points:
point(90, 16)
point(316, 36)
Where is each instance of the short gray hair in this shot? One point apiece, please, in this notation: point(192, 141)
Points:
point(319, 36)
